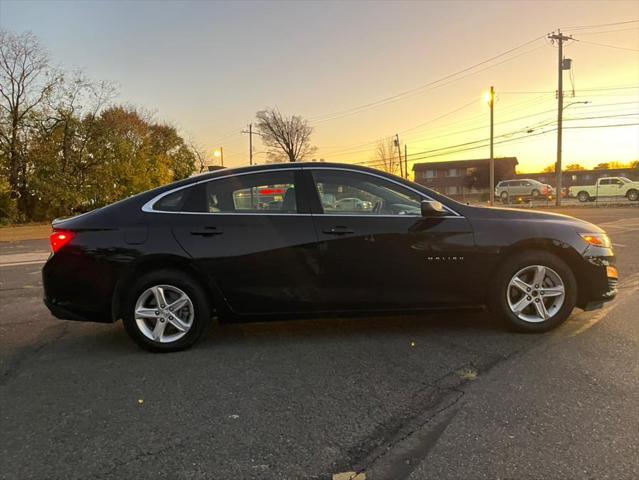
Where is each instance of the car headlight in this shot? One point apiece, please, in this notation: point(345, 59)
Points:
point(596, 239)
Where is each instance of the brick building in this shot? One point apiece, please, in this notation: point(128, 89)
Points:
point(463, 179)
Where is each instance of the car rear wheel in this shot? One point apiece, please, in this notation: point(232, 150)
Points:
point(535, 193)
point(583, 196)
point(534, 292)
point(633, 195)
point(167, 311)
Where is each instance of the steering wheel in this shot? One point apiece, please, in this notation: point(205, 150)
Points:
point(378, 207)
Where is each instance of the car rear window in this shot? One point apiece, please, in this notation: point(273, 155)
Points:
point(171, 203)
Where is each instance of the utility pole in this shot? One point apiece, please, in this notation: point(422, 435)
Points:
point(250, 144)
point(222, 155)
point(250, 134)
point(491, 101)
point(560, 38)
point(406, 161)
point(399, 154)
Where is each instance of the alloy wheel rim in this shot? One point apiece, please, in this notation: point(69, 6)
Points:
point(164, 313)
point(535, 293)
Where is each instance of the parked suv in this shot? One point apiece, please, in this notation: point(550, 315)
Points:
point(524, 187)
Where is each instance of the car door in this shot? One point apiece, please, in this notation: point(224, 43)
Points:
point(615, 187)
point(254, 236)
point(513, 188)
point(602, 188)
point(388, 256)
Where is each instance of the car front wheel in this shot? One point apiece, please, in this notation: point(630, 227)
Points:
point(534, 292)
point(166, 311)
point(633, 195)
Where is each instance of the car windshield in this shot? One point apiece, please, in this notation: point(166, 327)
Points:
point(625, 180)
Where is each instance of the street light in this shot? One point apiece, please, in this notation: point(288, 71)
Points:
point(219, 154)
point(558, 177)
point(490, 99)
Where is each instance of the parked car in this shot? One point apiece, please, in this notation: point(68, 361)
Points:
point(522, 188)
point(606, 187)
point(167, 260)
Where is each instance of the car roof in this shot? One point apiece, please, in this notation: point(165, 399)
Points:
point(223, 172)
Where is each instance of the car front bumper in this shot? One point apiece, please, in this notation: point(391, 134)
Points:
point(600, 277)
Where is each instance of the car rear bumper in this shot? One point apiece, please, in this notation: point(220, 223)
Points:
point(77, 287)
point(70, 313)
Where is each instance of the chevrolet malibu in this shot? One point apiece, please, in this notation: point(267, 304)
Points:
point(269, 242)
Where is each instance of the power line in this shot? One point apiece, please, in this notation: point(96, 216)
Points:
point(346, 149)
point(634, 29)
point(476, 147)
point(608, 46)
point(580, 27)
point(442, 84)
point(442, 150)
point(602, 89)
point(503, 122)
point(419, 88)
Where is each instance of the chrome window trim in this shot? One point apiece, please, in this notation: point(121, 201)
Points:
point(148, 206)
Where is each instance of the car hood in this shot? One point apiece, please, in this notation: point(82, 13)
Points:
point(496, 213)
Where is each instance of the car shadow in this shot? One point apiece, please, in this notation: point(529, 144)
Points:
point(339, 327)
point(459, 327)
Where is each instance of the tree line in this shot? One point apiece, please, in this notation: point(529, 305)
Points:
point(66, 147)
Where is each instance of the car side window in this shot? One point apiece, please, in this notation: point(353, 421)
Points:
point(272, 192)
point(260, 193)
point(172, 202)
point(354, 193)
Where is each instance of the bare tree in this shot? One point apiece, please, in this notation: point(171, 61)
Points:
point(26, 81)
point(386, 156)
point(288, 138)
point(199, 153)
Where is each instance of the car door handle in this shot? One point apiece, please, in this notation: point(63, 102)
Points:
point(207, 232)
point(338, 231)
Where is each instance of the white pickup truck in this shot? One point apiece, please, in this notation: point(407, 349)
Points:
point(606, 187)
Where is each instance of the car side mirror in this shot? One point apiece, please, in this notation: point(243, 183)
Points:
point(432, 208)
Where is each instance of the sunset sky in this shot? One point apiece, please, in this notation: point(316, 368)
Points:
point(362, 71)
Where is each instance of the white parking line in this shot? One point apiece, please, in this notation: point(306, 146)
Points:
point(17, 259)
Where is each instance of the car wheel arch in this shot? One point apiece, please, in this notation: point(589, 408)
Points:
point(562, 250)
point(162, 262)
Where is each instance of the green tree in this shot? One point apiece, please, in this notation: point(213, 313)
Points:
point(574, 167)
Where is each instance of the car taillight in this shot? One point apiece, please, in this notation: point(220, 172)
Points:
point(59, 238)
point(545, 190)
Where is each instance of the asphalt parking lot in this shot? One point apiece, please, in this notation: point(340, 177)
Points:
point(446, 395)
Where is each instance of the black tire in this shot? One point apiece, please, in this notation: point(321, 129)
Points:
point(535, 193)
point(583, 196)
point(633, 195)
point(504, 197)
point(498, 302)
point(174, 278)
